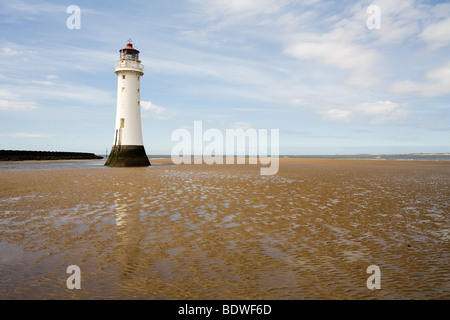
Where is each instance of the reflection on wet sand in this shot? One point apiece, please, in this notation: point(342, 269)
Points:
point(226, 232)
point(127, 249)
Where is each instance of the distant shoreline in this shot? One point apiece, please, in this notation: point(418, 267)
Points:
point(21, 155)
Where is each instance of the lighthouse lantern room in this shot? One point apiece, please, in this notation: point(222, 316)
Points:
point(128, 148)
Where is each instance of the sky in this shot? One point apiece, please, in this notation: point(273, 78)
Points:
point(334, 77)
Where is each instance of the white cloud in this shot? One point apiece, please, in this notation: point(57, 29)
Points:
point(238, 9)
point(338, 115)
point(241, 125)
point(10, 101)
point(43, 82)
point(35, 8)
point(17, 105)
point(24, 135)
point(342, 42)
point(437, 83)
point(7, 94)
point(20, 59)
point(381, 112)
point(400, 19)
point(349, 45)
point(8, 52)
point(437, 34)
point(229, 22)
point(69, 92)
point(28, 9)
point(28, 135)
point(160, 113)
point(341, 55)
point(235, 72)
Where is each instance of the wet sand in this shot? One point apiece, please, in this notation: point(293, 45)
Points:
point(226, 232)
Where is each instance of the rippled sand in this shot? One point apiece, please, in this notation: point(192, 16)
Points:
point(226, 232)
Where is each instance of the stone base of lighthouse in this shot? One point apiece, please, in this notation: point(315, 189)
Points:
point(127, 156)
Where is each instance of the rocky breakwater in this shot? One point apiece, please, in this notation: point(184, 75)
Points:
point(19, 155)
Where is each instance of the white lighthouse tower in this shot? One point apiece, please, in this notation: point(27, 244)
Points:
point(128, 149)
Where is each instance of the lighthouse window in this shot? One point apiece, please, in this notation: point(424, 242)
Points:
point(123, 89)
point(122, 122)
point(138, 90)
point(123, 77)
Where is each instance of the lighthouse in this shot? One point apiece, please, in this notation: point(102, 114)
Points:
point(128, 148)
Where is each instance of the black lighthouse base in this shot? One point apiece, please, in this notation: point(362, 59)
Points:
point(127, 156)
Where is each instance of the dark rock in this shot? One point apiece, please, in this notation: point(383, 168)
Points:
point(20, 155)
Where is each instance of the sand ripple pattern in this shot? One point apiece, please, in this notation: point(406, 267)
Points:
point(225, 232)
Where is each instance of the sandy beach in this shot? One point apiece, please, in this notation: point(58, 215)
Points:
point(226, 232)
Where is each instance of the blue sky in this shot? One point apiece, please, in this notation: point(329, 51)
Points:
point(312, 69)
